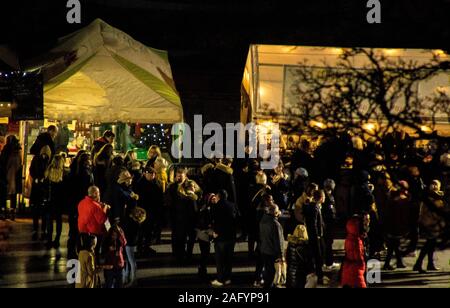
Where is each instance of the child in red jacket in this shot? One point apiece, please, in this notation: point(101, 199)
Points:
point(113, 252)
point(354, 264)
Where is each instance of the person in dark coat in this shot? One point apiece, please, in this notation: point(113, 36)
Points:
point(54, 198)
point(329, 217)
point(151, 199)
point(418, 192)
point(134, 218)
point(102, 162)
point(354, 265)
point(264, 203)
point(111, 176)
point(107, 138)
point(224, 220)
point(432, 222)
point(222, 178)
point(38, 167)
point(256, 193)
point(343, 188)
point(396, 223)
point(280, 187)
point(315, 227)
point(80, 179)
point(122, 197)
point(11, 173)
point(204, 234)
point(363, 198)
point(45, 139)
point(272, 243)
point(181, 199)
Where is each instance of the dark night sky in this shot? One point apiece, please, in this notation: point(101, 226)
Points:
point(208, 40)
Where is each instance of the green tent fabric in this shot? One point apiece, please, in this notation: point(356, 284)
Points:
point(101, 74)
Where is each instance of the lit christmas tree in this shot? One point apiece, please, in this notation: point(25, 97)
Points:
point(147, 135)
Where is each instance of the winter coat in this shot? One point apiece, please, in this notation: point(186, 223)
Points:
point(151, 196)
point(313, 221)
point(224, 217)
point(432, 215)
point(222, 178)
point(329, 209)
point(299, 206)
point(11, 167)
point(299, 264)
point(98, 145)
point(43, 140)
point(271, 237)
point(362, 198)
point(354, 264)
point(111, 176)
point(121, 199)
point(396, 220)
point(280, 190)
point(182, 206)
point(79, 184)
point(113, 251)
point(91, 217)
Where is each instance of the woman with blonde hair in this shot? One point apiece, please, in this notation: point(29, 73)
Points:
point(153, 153)
point(54, 198)
point(161, 172)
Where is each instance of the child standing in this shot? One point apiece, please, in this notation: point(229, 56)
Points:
point(89, 270)
point(114, 246)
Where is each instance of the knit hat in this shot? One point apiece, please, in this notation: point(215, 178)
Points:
point(124, 176)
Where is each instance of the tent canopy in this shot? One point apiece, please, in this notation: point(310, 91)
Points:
point(101, 74)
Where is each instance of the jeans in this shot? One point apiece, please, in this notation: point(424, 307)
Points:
point(269, 270)
point(114, 279)
point(224, 259)
point(131, 266)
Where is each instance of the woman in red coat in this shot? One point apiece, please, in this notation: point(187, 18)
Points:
point(354, 263)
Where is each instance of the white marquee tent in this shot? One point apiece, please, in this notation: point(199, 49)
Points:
point(101, 74)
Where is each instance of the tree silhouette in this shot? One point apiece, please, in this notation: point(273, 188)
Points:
point(369, 94)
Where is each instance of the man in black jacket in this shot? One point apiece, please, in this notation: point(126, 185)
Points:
point(222, 178)
point(272, 243)
point(224, 215)
point(315, 228)
point(45, 139)
point(151, 198)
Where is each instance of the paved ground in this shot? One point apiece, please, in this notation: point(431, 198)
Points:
point(26, 264)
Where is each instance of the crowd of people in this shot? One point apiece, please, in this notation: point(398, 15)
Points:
point(385, 194)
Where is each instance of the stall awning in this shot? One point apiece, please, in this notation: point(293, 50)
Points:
point(101, 74)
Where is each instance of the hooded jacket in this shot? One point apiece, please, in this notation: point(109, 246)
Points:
point(354, 264)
